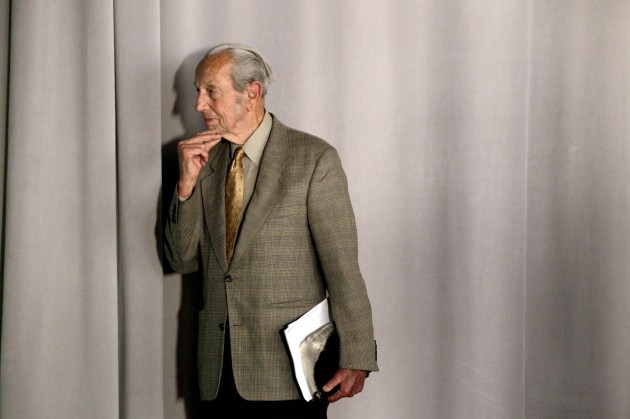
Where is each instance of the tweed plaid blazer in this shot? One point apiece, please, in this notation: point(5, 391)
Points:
point(297, 243)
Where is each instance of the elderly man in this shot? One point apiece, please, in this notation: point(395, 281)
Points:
point(264, 211)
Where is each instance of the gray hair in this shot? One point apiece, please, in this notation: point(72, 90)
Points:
point(248, 65)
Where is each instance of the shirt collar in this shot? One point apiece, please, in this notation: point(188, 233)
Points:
point(255, 144)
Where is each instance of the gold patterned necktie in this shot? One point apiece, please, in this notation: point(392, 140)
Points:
point(234, 201)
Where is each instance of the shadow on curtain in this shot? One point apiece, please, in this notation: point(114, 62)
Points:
point(191, 300)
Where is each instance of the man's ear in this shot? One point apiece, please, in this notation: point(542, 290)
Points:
point(254, 91)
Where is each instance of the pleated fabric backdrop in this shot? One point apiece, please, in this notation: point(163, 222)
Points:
point(486, 146)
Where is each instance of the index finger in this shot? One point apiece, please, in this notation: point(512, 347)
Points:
point(212, 132)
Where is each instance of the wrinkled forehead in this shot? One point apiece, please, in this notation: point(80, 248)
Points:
point(213, 68)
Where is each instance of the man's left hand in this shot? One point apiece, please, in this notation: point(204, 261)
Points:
point(350, 383)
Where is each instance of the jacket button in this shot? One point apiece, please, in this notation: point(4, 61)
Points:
point(228, 278)
point(222, 326)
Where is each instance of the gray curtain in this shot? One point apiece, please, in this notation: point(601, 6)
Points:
point(486, 145)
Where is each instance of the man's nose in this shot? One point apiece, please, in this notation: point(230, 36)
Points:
point(202, 102)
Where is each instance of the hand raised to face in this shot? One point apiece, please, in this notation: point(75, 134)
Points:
point(193, 155)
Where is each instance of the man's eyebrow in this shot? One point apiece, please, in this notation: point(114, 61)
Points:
point(204, 84)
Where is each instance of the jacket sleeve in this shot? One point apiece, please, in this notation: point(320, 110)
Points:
point(183, 232)
point(332, 224)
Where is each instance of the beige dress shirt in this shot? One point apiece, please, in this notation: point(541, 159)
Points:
point(253, 148)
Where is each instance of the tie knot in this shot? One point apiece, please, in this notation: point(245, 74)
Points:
point(239, 153)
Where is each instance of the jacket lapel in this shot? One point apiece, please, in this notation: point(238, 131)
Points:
point(269, 187)
point(212, 180)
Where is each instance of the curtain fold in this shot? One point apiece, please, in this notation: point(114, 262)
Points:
point(4, 85)
point(59, 355)
point(486, 148)
point(138, 126)
point(578, 258)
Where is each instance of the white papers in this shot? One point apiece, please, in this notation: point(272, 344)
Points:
point(298, 331)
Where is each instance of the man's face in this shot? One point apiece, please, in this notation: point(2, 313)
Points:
point(224, 110)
